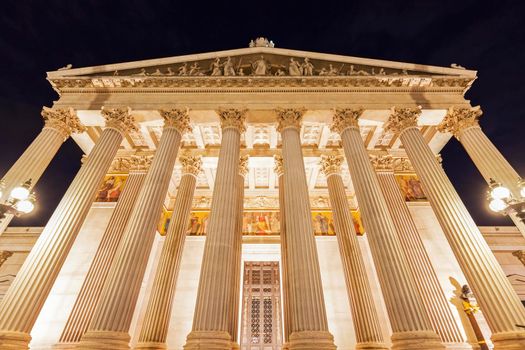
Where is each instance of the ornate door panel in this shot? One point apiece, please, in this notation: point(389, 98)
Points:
point(261, 307)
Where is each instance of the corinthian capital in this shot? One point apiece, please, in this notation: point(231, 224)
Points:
point(331, 164)
point(289, 118)
point(459, 119)
point(140, 163)
point(382, 162)
point(402, 118)
point(64, 120)
point(119, 119)
point(233, 118)
point(243, 165)
point(191, 164)
point(345, 118)
point(279, 165)
point(178, 119)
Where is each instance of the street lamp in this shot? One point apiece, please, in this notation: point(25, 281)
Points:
point(21, 200)
point(501, 200)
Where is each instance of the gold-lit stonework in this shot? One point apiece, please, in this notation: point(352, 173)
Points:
point(119, 119)
point(64, 120)
point(459, 119)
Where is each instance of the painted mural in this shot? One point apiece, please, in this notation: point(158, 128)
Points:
point(411, 188)
point(111, 188)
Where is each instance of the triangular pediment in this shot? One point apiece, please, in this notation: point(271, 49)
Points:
point(260, 61)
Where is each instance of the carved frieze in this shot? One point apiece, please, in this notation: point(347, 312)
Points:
point(402, 118)
point(382, 162)
point(120, 119)
point(176, 118)
point(279, 165)
point(140, 162)
point(233, 118)
point(65, 120)
point(345, 118)
point(289, 117)
point(243, 165)
point(459, 119)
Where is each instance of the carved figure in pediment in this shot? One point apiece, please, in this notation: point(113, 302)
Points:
point(252, 43)
point(307, 67)
point(142, 72)
point(353, 71)
point(280, 72)
point(195, 69)
point(332, 70)
point(240, 72)
point(169, 71)
point(228, 67)
point(294, 67)
point(115, 73)
point(381, 72)
point(183, 70)
point(323, 71)
point(157, 73)
point(216, 67)
point(260, 67)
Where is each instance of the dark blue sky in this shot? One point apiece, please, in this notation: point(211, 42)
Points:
point(39, 36)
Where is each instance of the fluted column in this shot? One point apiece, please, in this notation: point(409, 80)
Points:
point(500, 304)
point(309, 326)
point(89, 294)
point(435, 303)
point(364, 313)
point(213, 311)
point(463, 124)
point(410, 323)
point(279, 171)
point(154, 329)
point(29, 290)
point(59, 124)
point(234, 330)
point(112, 318)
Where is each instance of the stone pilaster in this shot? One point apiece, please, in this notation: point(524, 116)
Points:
point(499, 303)
point(364, 313)
point(29, 290)
point(89, 294)
point(410, 324)
point(279, 171)
point(309, 326)
point(59, 125)
point(111, 320)
point(213, 310)
point(435, 303)
point(154, 329)
point(463, 124)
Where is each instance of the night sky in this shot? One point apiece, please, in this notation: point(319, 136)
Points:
point(40, 36)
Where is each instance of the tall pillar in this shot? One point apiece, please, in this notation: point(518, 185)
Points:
point(309, 326)
point(364, 313)
point(89, 294)
point(463, 124)
point(59, 124)
point(213, 310)
point(435, 303)
point(154, 329)
point(26, 296)
point(114, 311)
point(234, 330)
point(410, 324)
point(499, 302)
point(279, 171)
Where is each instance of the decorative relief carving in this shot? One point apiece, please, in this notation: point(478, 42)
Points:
point(261, 42)
point(345, 118)
point(120, 119)
point(4, 255)
point(261, 202)
point(402, 118)
point(319, 202)
point(243, 165)
point(279, 165)
point(233, 118)
point(120, 165)
point(191, 164)
point(289, 117)
point(403, 165)
point(331, 164)
point(520, 254)
point(140, 162)
point(382, 162)
point(64, 120)
point(202, 202)
point(178, 119)
point(459, 119)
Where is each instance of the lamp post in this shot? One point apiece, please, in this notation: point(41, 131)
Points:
point(21, 200)
point(501, 200)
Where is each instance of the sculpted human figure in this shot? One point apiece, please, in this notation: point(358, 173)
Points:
point(216, 67)
point(332, 70)
point(195, 69)
point(169, 71)
point(307, 67)
point(260, 67)
point(228, 67)
point(157, 72)
point(280, 72)
point(183, 70)
point(294, 68)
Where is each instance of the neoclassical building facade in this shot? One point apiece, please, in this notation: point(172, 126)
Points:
point(261, 199)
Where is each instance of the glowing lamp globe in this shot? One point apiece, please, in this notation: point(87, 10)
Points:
point(497, 205)
point(20, 193)
point(500, 192)
point(25, 206)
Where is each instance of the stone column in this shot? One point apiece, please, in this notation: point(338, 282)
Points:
point(154, 329)
point(364, 313)
point(89, 294)
point(26, 296)
point(309, 326)
point(435, 303)
point(113, 313)
point(410, 324)
point(463, 124)
point(279, 171)
point(59, 124)
point(213, 310)
point(499, 302)
point(234, 330)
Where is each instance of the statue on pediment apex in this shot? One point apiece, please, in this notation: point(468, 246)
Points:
point(261, 42)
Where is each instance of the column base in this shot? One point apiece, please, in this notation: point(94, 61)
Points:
point(416, 340)
point(457, 346)
point(65, 346)
point(103, 340)
point(10, 340)
point(311, 340)
point(509, 340)
point(236, 346)
point(150, 346)
point(209, 340)
point(371, 346)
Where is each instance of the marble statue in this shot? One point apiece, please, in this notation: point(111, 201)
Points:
point(307, 67)
point(294, 67)
point(260, 67)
